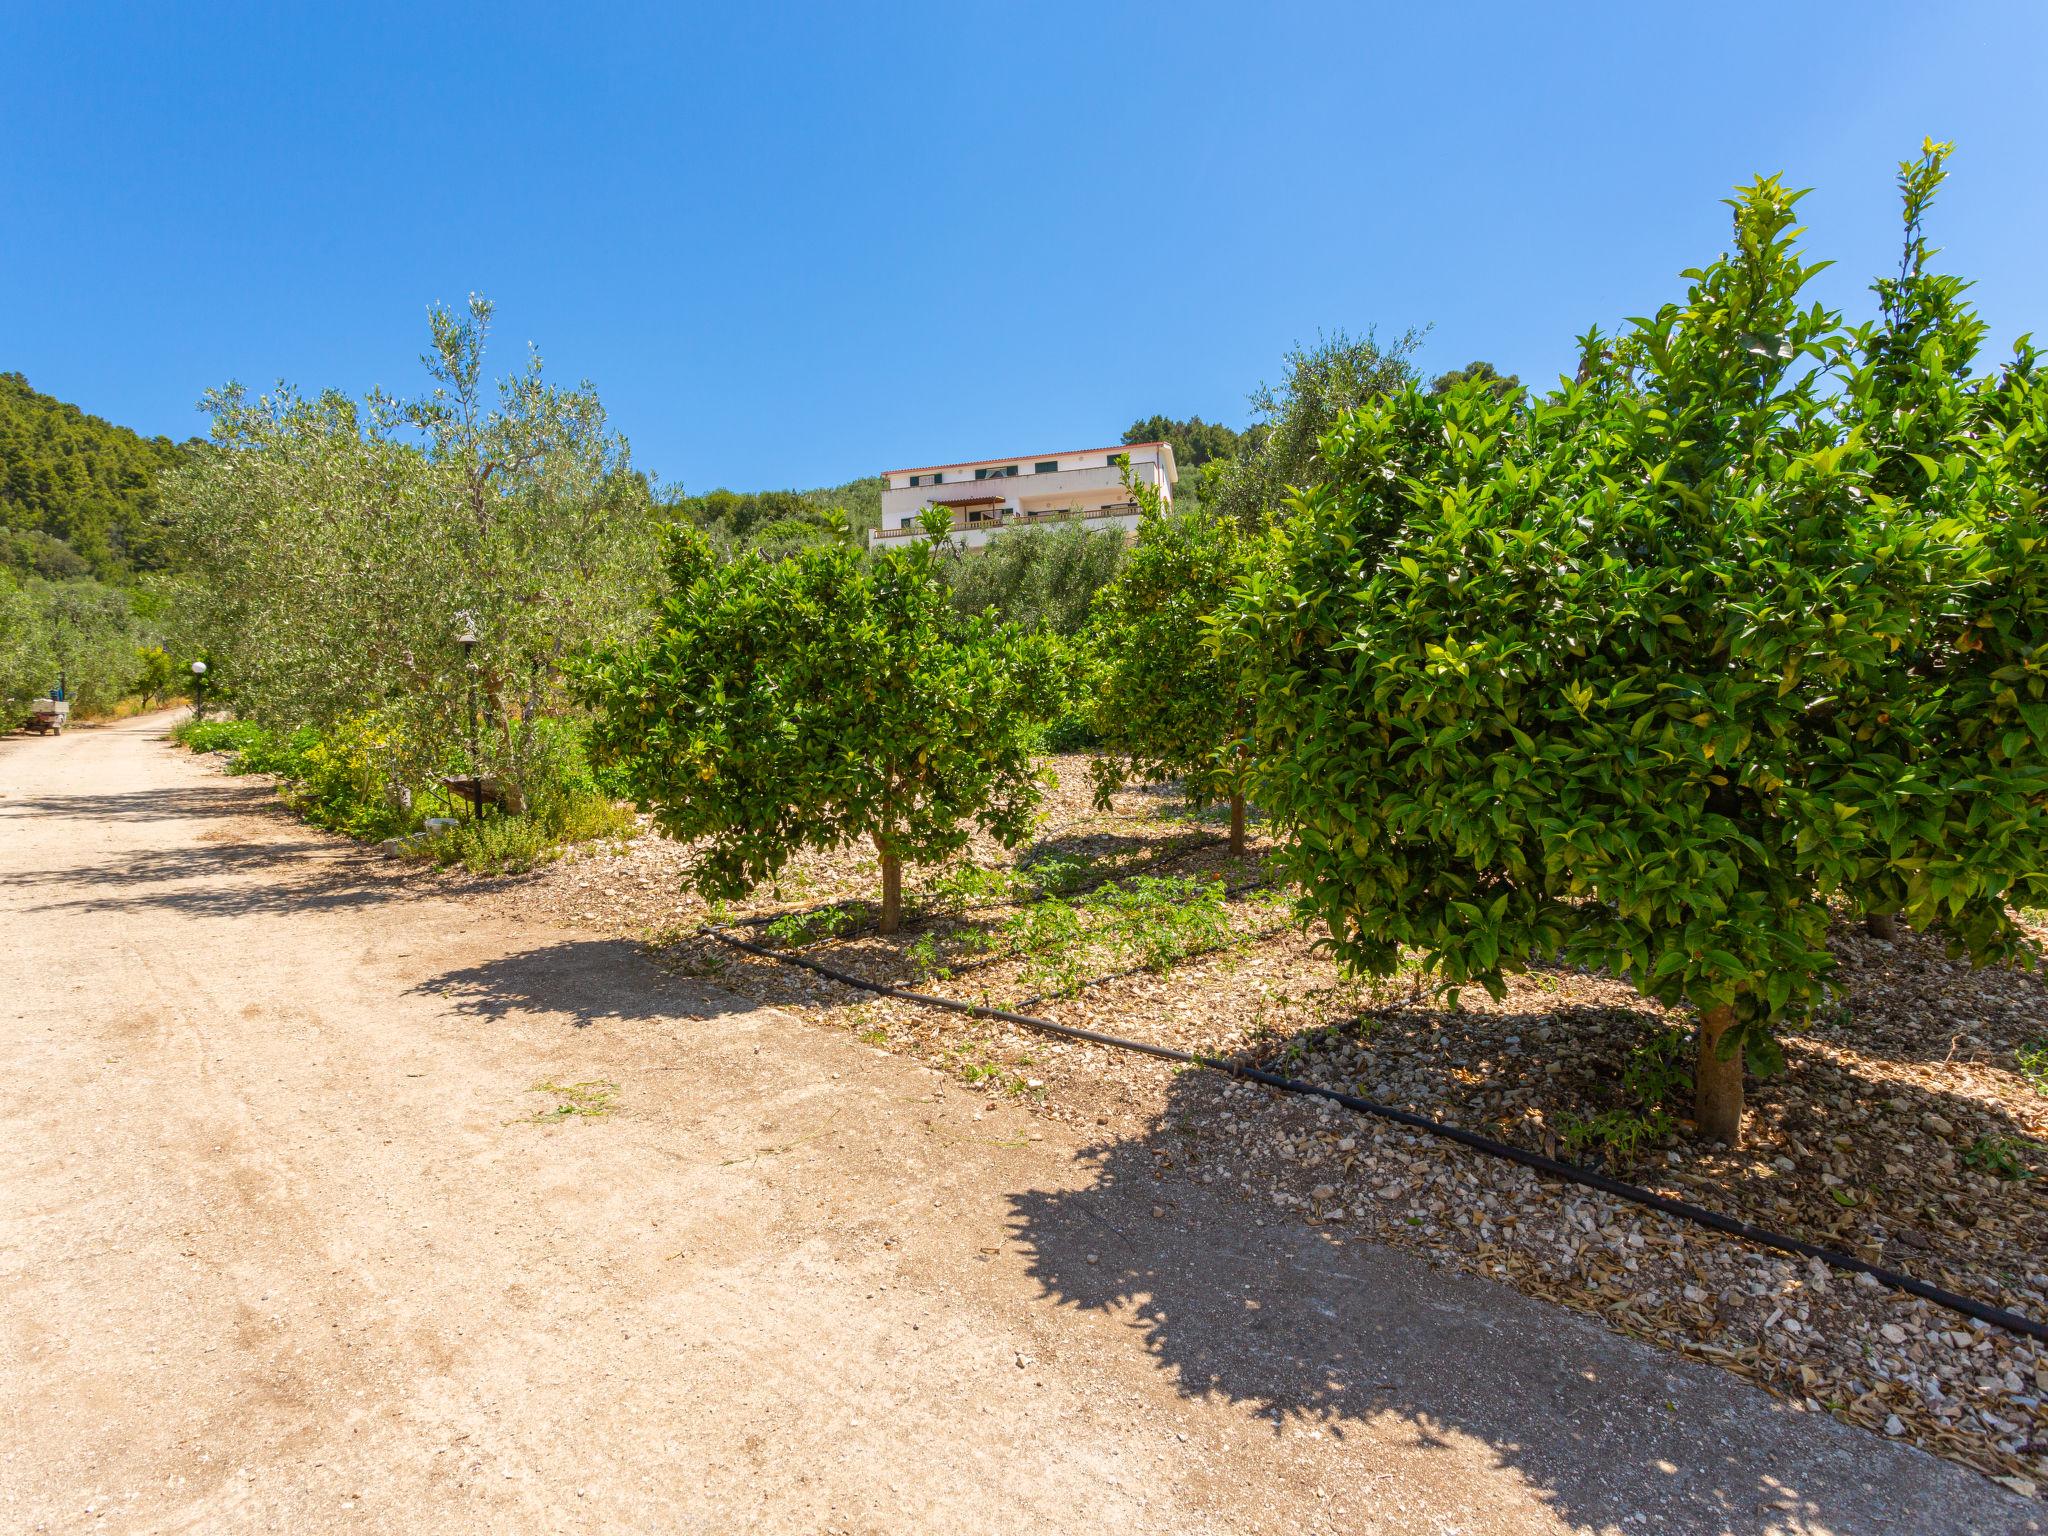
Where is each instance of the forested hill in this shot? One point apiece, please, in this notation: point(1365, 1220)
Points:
point(77, 494)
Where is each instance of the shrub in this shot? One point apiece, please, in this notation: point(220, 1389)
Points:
point(1641, 674)
point(823, 699)
point(492, 845)
point(218, 735)
point(1169, 696)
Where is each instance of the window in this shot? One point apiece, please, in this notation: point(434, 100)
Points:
point(998, 473)
point(907, 522)
point(927, 479)
point(1046, 467)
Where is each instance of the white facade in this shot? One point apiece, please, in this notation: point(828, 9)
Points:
point(986, 497)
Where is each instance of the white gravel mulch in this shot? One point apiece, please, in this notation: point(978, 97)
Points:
point(1904, 1130)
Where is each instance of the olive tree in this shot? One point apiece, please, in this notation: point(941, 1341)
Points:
point(340, 546)
point(1278, 452)
point(822, 699)
point(1643, 674)
point(24, 653)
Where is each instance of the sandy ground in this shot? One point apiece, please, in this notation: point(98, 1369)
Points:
point(288, 1242)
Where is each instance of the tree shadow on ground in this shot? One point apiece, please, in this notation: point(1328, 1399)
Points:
point(1313, 1330)
point(227, 879)
point(189, 802)
point(581, 982)
point(1839, 1149)
point(1906, 1000)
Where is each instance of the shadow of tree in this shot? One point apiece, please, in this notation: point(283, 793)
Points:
point(178, 803)
point(1839, 1148)
point(305, 873)
point(579, 981)
point(1907, 1001)
point(1312, 1329)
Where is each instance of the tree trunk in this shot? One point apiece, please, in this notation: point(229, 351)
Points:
point(1237, 825)
point(892, 893)
point(1717, 1083)
point(1883, 925)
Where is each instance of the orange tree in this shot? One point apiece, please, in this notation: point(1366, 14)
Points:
point(1169, 698)
point(1642, 674)
point(823, 699)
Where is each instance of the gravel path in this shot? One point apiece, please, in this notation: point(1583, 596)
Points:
point(292, 1238)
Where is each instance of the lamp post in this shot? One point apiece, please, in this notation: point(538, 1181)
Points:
point(467, 638)
point(198, 690)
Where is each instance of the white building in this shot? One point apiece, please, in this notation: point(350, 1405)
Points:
point(987, 496)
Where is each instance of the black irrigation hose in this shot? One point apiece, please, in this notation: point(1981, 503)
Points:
point(1685, 1210)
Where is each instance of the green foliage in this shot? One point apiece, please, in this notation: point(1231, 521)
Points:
point(155, 673)
point(777, 523)
point(78, 495)
point(1155, 921)
point(81, 633)
point(1036, 577)
point(219, 735)
point(1170, 700)
point(339, 778)
point(796, 929)
point(1280, 451)
point(819, 700)
point(492, 845)
point(23, 668)
point(2003, 1157)
point(2033, 1064)
point(1195, 442)
point(1498, 384)
point(339, 547)
point(1074, 731)
point(1656, 1083)
point(1639, 675)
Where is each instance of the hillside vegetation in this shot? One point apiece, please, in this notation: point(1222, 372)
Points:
point(78, 495)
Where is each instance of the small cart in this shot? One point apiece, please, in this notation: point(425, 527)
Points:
point(46, 717)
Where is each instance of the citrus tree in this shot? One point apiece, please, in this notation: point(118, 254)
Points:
point(1169, 702)
point(1643, 674)
point(823, 699)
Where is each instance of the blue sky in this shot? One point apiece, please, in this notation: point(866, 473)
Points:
point(792, 244)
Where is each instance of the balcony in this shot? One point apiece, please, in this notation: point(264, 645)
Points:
point(1057, 488)
point(1123, 514)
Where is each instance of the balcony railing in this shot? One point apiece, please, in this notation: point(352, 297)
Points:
point(1021, 519)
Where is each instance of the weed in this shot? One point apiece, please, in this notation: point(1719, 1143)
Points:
point(924, 959)
point(971, 885)
point(794, 930)
point(1059, 874)
point(1163, 921)
point(2003, 1157)
point(1620, 1133)
point(1655, 1078)
point(578, 1101)
point(1658, 1072)
point(2033, 1060)
point(492, 845)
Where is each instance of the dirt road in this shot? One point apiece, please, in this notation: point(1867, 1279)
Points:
point(288, 1242)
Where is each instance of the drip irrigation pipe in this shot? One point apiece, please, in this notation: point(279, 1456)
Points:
point(1684, 1210)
